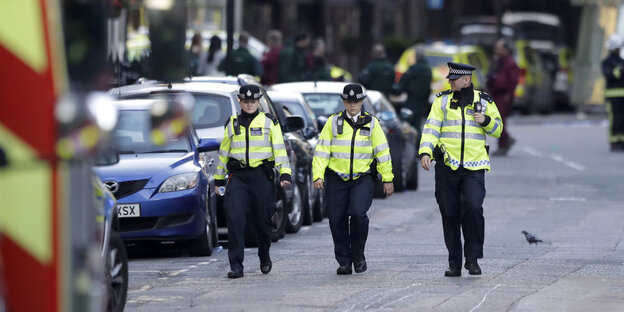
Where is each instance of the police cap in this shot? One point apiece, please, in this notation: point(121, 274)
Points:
point(353, 92)
point(457, 70)
point(249, 92)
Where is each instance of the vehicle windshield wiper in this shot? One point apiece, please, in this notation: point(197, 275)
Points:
point(167, 151)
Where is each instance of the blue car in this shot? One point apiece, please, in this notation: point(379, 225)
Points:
point(164, 193)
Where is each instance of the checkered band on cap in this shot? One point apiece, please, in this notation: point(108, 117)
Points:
point(454, 71)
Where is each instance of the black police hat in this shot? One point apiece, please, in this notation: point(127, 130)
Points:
point(249, 92)
point(353, 92)
point(457, 70)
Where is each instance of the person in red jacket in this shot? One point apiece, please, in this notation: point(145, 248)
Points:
point(501, 83)
point(270, 60)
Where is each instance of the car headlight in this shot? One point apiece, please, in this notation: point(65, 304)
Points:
point(179, 182)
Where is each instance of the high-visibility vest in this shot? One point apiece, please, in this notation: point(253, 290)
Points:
point(460, 137)
point(261, 140)
point(349, 152)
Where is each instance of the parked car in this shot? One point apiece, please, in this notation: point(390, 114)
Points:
point(324, 99)
point(214, 104)
point(437, 55)
point(293, 103)
point(163, 192)
point(401, 136)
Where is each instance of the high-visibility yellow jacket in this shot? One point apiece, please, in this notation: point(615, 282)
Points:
point(351, 152)
point(261, 140)
point(461, 138)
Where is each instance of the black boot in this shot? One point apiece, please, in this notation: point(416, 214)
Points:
point(265, 267)
point(472, 266)
point(344, 270)
point(359, 265)
point(235, 274)
point(453, 271)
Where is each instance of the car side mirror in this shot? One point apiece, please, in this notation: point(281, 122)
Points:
point(309, 132)
point(321, 120)
point(406, 113)
point(208, 145)
point(294, 123)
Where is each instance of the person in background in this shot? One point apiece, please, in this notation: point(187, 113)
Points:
point(292, 60)
point(417, 83)
point(379, 73)
point(196, 55)
point(501, 84)
point(214, 57)
point(613, 70)
point(242, 61)
point(270, 59)
point(317, 65)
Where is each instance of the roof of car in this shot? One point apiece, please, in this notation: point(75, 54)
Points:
point(285, 95)
point(374, 96)
point(311, 86)
point(205, 87)
point(134, 104)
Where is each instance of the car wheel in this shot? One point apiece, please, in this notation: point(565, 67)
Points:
point(412, 178)
point(203, 245)
point(397, 168)
point(279, 217)
point(295, 216)
point(116, 273)
point(308, 200)
point(378, 191)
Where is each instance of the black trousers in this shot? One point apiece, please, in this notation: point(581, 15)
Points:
point(249, 193)
point(460, 197)
point(615, 112)
point(347, 204)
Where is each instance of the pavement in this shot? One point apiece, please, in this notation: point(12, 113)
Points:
point(559, 182)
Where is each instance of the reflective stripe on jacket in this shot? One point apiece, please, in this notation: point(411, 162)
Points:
point(460, 136)
point(261, 140)
point(350, 153)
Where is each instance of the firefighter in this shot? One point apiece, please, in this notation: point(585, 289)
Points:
point(351, 149)
point(613, 70)
point(454, 134)
point(252, 145)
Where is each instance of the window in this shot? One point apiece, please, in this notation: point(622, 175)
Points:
point(133, 135)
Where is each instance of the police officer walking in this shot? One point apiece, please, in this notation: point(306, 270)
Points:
point(613, 70)
point(349, 144)
point(252, 145)
point(454, 134)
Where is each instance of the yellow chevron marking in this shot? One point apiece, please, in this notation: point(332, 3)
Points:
point(21, 32)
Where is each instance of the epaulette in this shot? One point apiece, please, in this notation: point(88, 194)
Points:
point(275, 121)
point(486, 97)
point(439, 94)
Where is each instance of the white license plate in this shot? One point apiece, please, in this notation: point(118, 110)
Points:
point(128, 210)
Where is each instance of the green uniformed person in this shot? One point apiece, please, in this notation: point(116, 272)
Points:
point(242, 62)
point(349, 143)
point(417, 83)
point(454, 134)
point(379, 73)
point(292, 60)
point(252, 145)
point(613, 70)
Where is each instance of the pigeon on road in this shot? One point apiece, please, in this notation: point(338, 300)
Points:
point(531, 238)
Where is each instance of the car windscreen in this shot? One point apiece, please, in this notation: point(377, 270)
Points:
point(438, 60)
point(133, 132)
point(325, 104)
point(210, 110)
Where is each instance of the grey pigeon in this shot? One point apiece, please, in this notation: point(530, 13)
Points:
point(531, 238)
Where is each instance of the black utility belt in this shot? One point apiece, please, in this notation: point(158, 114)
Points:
point(235, 165)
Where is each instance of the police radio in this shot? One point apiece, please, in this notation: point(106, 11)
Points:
point(340, 124)
point(478, 107)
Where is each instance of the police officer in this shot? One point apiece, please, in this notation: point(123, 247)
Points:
point(613, 70)
point(252, 145)
point(349, 143)
point(454, 134)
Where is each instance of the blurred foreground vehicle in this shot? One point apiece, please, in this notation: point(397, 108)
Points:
point(163, 192)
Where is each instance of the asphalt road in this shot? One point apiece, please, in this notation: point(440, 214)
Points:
point(559, 182)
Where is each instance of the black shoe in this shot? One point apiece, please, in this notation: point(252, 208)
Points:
point(452, 272)
point(473, 267)
point(359, 265)
point(265, 268)
point(235, 274)
point(344, 270)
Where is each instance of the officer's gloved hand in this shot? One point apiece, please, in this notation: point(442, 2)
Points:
point(285, 180)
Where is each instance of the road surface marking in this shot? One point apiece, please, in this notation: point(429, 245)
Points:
point(556, 157)
point(144, 288)
point(484, 296)
point(531, 151)
point(579, 199)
